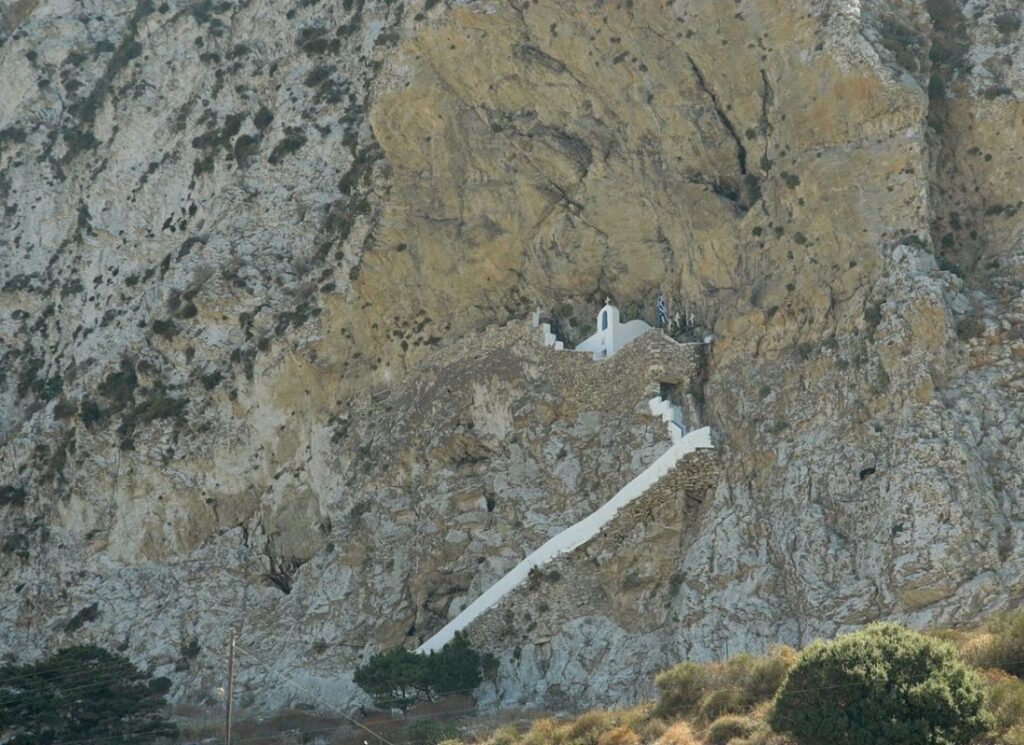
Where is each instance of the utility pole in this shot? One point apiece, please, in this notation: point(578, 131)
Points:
point(231, 684)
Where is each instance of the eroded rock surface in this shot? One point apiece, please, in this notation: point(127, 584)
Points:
point(257, 256)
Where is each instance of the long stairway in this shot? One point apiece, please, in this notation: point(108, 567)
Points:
point(580, 533)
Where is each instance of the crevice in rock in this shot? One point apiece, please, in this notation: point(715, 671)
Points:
point(764, 125)
point(282, 569)
point(531, 53)
point(741, 151)
point(955, 240)
point(767, 99)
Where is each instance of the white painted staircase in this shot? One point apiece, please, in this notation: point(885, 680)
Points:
point(549, 338)
point(576, 535)
point(671, 414)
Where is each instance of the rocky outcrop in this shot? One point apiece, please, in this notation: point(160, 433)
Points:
point(572, 630)
point(251, 253)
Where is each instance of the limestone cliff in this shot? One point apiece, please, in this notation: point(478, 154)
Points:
point(258, 258)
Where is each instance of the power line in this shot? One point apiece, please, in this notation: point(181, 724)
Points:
point(85, 672)
point(36, 697)
point(332, 729)
point(95, 682)
point(437, 715)
point(402, 721)
point(230, 694)
point(302, 688)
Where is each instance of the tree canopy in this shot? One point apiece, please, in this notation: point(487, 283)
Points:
point(80, 693)
point(397, 678)
point(885, 684)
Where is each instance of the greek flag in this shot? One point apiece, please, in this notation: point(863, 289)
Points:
point(662, 311)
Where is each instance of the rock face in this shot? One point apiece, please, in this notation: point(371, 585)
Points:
point(257, 258)
point(577, 628)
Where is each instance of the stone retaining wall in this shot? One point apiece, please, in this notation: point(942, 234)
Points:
point(627, 573)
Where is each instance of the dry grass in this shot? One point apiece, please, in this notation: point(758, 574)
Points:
point(679, 733)
point(709, 704)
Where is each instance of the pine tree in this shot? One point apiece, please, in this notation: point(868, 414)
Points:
point(80, 693)
point(398, 678)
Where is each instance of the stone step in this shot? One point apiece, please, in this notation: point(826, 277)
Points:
point(571, 538)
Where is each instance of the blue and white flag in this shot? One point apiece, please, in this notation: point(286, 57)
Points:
point(662, 311)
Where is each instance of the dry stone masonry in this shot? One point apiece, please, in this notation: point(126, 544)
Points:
point(610, 339)
point(619, 582)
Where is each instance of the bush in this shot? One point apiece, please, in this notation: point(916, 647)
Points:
point(504, 736)
point(589, 727)
point(722, 701)
point(768, 673)
point(678, 734)
point(597, 727)
point(726, 729)
point(1005, 701)
point(969, 328)
point(1007, 22)
point(430, 732)
point(681, 688)
point(89, 412)
point(718, 688)
point(650, 728)
point(767, 737)
point(541, 732)
point(1005, 644)
point(12, 495)
point(620, 735)
point(884, 684)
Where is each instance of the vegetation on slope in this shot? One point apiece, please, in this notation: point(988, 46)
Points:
point(397, 678)
point(82, 694)
point(884, 684)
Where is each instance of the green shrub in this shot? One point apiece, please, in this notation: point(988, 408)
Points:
point(969, 328)
point(160, 406)
point(506, 735)
point(722, 701)
point(768, 673)
point(884, 684)
point(1005, 649)
point(292, 142)
point(90, 412)
point(726, 729)
point(730, 687)
point(681, 688)
point(12, 495)
point(620, 735)
point(1008, 22)
point(430, 732)
point(588, 728)
point(1004, 699)
point(119, 387)
point(165, 328)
